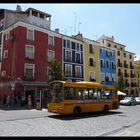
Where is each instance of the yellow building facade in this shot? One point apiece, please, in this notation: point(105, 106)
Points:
point(137, 77)
point(91, 62)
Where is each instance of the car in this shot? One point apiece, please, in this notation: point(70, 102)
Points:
point(128, 101)
point(137, 100)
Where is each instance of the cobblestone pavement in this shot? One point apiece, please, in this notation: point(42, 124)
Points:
point(122, 122)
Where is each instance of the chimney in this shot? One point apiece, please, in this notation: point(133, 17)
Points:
point(18, 8)
point(57, 30)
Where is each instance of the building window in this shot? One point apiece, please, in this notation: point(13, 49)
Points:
point(68, 70)
point(5, 54)
point(78, 58)
point(102, 77)
point(113, 65)
point(91, 61)
point(92, 76)
point(68, 44)
point(107, 63)
point(124, 54)
point(101, 50)
point(118, 52)
point(51, 40)
point(101, 63)
point(81, 46)
point(130, 56)
point(109, 45)
point(7, 36)
point(68, 56)
point(34, 13)
point(91, 50)
point(3, 73)
point(115, 46)
point(113, 77)
point(77, 47)
point(30, 34)
point(78, 71)
point(73, 45)
point(29, 52)
point(64, 43)
point(29, 71)
point(108, 77)
point(51, 55)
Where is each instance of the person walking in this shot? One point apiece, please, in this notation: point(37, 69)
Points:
point(8, 101)
point(29, 102)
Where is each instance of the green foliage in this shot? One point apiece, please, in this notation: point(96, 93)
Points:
point(55, 71)
point(121, 85)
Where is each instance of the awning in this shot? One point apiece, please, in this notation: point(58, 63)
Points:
point(121, 93)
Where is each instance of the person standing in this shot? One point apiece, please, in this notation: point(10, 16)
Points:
point(29, 102)
point(8, 101)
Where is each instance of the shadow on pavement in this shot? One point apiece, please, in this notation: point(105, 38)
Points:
point(84, 115)
point(15, 107)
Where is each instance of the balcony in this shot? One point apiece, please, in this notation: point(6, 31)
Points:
point(119, 64)
point(132, 75)
point(92, 64)
point(127, 84)
point(120, 73)
point(133, 84)
point(131, 67)
point(126, 75)
point(29, 78)
point(125, 65)
point(113, 66)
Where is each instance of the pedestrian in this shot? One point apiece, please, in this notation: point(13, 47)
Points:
point(8, 101)
point(29, 102)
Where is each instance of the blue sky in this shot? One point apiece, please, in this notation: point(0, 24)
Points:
point(119, 20)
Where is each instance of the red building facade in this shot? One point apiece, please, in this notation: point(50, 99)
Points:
point(26, 53)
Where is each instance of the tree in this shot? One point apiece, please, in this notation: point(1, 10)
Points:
point(55, 71)
point(121, 85)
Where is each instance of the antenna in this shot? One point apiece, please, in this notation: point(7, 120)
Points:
point(71, 29)
point(79, 27)
point(75, 22)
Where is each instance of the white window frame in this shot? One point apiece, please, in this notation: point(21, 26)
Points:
point(90, 76)
point(29, 65)
point(93, 61)
point(67, 65)
point(114, 77)
point(67, 45)
point(28, 34)
point(26, 52)
point(5, 54)
point(52, 57)
point(79, 74)
point(108, 63)
point(49, 42)
point(75, 57)
point(70, 55)
point(109, 76)
point(103, 63)
point(102, 75)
